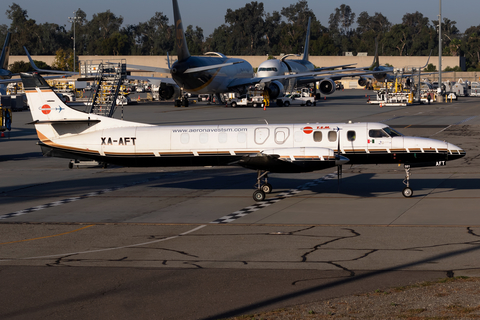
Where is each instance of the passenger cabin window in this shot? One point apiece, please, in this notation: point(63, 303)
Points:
point(378, 133)
point(351, 136)
point(317, 136)
point(222, 137)
point(185, 138)
point(241, 137)
point(332, 136)
point(203, 138)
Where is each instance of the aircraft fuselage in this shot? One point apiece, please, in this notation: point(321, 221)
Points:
point(209, 81)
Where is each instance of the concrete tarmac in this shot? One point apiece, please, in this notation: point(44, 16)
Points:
point(190, 243)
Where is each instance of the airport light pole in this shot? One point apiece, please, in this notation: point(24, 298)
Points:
point(440, 48)
point(74, 19)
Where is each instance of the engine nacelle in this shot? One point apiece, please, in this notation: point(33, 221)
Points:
point(275, 89)
point(168, 91)
point(362, 82)
point(327, 86)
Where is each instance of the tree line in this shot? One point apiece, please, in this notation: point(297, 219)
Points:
point(247, 31)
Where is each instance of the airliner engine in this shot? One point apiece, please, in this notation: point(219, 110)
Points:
point(275, 89)
point(362, 82)
point(327, 86)
point(168, 91)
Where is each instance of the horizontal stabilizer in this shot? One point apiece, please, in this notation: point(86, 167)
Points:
point(34, 66)
point(64, 121)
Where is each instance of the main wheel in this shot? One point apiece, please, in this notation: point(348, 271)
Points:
point(233, 104)
point(407, 192)
point(267, 188)
point(258, 195)
point(286, 104)
point(309, 103)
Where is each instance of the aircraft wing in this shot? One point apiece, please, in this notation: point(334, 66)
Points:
point(45, 70)
point(7, 81)
point(192, 70)
point(302, 78)
point(151, 69)
point(153, 79)
point(343, 66)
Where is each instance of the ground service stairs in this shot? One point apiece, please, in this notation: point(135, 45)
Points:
point(108, 79)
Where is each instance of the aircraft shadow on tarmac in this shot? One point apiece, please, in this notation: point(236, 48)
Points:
point(16, 135)
point(359, 185)
point(23, 156)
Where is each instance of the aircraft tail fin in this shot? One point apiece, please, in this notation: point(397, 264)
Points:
point(376, 62)
point(45, 105)
point(181, 41)
point(5, 52)
point(307, 41)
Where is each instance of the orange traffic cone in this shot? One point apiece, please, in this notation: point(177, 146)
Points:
point(3, 134)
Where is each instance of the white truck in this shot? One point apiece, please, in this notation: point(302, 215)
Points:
point(247, 100)
point(301, 99)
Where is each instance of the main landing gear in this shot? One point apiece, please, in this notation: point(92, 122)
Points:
point(262, 186)
point(407, 191)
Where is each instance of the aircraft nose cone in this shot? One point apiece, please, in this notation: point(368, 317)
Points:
point(455, 152)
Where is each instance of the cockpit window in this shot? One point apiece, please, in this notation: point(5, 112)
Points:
point(377, 133)
point(268, 69)
point(392, 132)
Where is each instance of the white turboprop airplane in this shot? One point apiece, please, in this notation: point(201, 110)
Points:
point(215, 73)
point(290, 148)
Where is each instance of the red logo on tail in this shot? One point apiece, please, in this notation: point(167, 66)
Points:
point(45, 109)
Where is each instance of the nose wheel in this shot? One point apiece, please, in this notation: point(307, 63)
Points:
point(262, 186)
point(407, 191)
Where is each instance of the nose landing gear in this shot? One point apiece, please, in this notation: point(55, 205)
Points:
point(407, 191)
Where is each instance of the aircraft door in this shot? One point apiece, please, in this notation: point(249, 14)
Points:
point(261, 135)
point(281, 135)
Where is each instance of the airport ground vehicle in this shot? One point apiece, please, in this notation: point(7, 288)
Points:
point(301, 99)
point(247, 100)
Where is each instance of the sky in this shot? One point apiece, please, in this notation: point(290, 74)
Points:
point(209, 14)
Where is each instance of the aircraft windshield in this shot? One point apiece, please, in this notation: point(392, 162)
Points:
point(268, 69)
point(392, 132)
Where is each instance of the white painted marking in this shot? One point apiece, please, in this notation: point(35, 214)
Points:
point(110, 249)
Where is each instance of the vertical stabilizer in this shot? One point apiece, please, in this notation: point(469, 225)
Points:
point(307, 41)
point(45, 105)
point(180, 41)
point(376, 62)
point(5, 53)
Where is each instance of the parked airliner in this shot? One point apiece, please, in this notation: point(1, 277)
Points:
point(215, 73)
